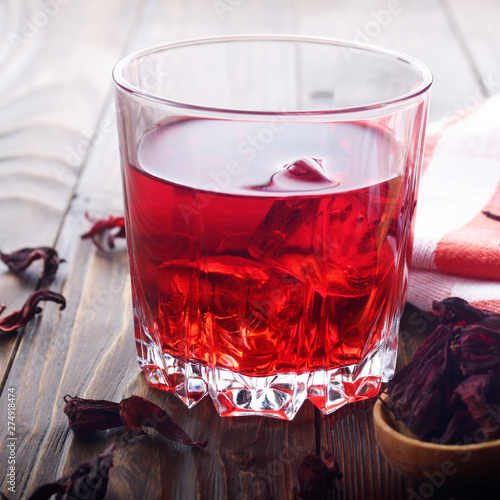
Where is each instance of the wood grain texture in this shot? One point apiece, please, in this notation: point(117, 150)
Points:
point(59, 159)
point(55, 79)
point(476, 27)
point(421, 29)
point(54, 85)
point(89, 342)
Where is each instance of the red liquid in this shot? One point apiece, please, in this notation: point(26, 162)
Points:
point(257, 278)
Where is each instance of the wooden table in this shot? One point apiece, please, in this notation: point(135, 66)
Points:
point(59, 159)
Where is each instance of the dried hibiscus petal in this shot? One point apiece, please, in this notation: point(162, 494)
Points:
point(418, 392)
point(89, 481)
point(317, 475)
point(21, 259)
point(104, 228)
point(89, 415)
point(457, 310)
point(460, 424)
point(473, 391)
point(20, 318)
point(491, 215)
point(135, 413)
point(477, 349)
point(450, 391)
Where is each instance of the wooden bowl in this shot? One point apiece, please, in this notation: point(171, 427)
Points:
point(438, 464)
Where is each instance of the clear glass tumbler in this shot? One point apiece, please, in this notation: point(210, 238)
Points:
point(270, 184)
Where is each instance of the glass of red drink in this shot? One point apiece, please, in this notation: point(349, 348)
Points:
point(270, 184)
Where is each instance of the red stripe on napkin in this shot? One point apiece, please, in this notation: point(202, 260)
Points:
point(457, 247)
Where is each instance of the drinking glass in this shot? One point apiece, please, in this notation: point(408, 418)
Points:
point(270, 185)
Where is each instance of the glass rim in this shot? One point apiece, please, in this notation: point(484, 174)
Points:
point(124, 85)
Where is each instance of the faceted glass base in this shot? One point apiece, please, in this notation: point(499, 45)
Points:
point(279, 396)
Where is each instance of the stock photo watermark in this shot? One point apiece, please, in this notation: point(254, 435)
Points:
point(438, 478)
point(75, 155)
point(222, 7)
point(31, 26)
point(221, 179)
point(11, 439)
point(379, 20)
point(261, 479)
point(248, 150)
point(252, 144)
point(487, 87)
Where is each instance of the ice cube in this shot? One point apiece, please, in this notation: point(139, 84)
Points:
point(303, 174)
point(309, 169)
point(244, 311)
point(285, 236)
point(335, 242)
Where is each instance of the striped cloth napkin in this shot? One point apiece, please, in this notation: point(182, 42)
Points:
point(457, 232)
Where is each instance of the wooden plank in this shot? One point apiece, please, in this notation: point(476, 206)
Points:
point(74, 349)
point(349, 433)
point(92, 341)
point(50, 101)
point(198, 18)
point(476, 27)
point(51, 98)
point(366, 474)
point(265, 455)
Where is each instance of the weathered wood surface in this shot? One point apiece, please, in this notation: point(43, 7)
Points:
point(59, 159)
